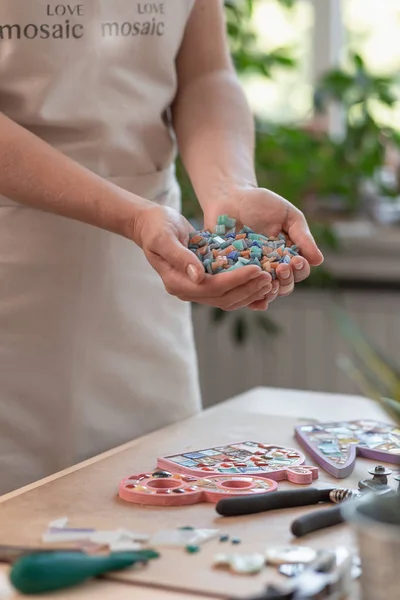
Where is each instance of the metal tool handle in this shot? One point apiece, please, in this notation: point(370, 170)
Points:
point(246, 505)
point(318, 519)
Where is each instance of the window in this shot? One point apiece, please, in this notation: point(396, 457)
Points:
point(372, 29)
point(288, 96)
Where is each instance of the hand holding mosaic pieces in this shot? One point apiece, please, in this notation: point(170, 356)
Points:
point(228, 249)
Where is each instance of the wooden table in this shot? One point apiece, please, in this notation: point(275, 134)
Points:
point(86, 494)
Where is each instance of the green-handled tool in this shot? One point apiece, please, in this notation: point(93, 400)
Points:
point(41, 572)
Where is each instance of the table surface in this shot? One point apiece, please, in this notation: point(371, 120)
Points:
point(87, 494)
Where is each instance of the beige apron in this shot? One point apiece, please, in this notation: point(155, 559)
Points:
point(93, 351)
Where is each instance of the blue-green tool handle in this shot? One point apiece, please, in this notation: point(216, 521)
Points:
point(46, 572)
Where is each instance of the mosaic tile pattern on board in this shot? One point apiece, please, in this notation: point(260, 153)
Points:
point(334, 439)
point(240, 458)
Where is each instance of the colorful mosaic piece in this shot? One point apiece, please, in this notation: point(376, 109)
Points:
point(178, 489)
point(243, 458)
point(335, 446)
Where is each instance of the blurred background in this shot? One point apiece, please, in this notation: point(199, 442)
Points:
point(321, 77)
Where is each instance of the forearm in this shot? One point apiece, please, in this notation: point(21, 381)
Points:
point(215, 133)
point(35, 174)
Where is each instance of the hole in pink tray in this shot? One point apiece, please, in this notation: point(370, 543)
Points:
point(130, 486)
point(164, 484)
point(236, 484)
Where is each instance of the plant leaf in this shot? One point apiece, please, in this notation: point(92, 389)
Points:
point(250, 7)
point(374, 365)
point(325, 235)
point(267, 325)
point(240, 330)
point(358, 61)
point(357, 377)
point(392, 408)
point(287, 3)
point(218, 315)
point(387, 97)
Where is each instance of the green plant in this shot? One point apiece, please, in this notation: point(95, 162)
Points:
point(301, 165)
point(243, 41)
point(296, 164)
point(361, 153)
point(375, 374)
point(244, 325)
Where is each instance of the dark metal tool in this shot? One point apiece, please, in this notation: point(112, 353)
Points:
point(313, 521)
point(246, 505)
point(379, 481)
point(322, 519)
point(316, 520)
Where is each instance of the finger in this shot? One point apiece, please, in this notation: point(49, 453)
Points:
point(299, 232)
point(259, 305)
point(274, 292)
point(211, 286)
point(257, 296)
point(285, 277)
point(301, 268)
point(170, 249)
point(239, 296)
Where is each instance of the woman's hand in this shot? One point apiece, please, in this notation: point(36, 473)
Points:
point(270, 214)
point(163, 234)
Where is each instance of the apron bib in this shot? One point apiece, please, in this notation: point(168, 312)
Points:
point(93, 351)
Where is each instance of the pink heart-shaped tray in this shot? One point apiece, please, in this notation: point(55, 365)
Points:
point(166, 489)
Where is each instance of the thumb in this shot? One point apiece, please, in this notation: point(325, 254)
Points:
point(182, 259)
point(300, 234)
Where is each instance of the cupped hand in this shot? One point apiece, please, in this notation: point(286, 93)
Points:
point(270, 214)
point(163, 234)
